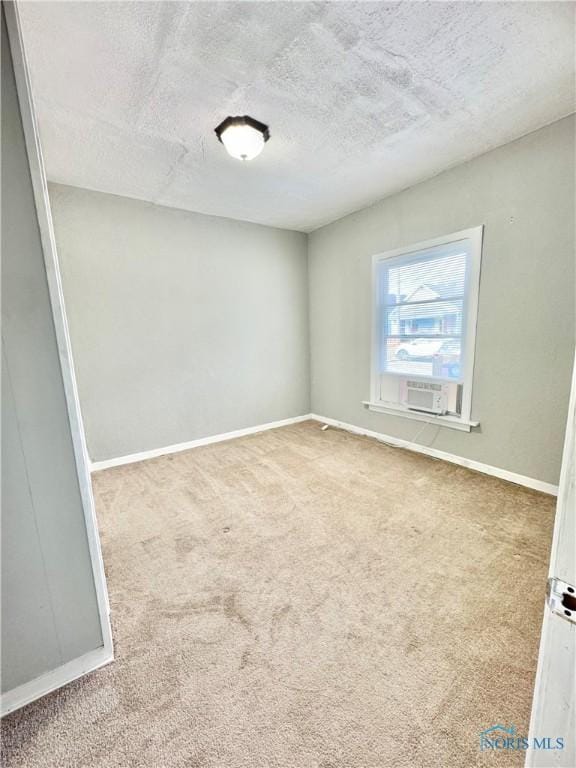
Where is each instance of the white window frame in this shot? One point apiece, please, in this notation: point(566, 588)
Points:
point(464, 421)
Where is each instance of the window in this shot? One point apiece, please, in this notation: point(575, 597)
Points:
point(426, 300)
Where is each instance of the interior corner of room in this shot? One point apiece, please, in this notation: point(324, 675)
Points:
point(253, 279)
point(288, 400)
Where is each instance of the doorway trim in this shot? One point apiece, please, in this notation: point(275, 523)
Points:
point(71, 670)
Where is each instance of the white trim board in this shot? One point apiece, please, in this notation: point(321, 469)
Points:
point(56, 678)
point(132, 458)
point(487, 469)
point(452, 422)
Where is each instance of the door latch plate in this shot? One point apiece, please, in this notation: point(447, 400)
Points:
point(561, 598)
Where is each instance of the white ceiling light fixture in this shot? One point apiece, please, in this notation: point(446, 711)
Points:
point(243, 137)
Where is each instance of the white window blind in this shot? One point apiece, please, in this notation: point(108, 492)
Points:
point(422, 312)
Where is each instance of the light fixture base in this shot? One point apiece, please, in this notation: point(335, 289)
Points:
point(242, 120)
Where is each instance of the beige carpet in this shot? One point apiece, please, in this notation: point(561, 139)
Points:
point(304, 599)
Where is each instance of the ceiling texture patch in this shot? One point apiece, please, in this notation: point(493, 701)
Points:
point(365, 98)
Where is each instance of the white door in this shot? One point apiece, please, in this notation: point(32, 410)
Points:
point(554, 705)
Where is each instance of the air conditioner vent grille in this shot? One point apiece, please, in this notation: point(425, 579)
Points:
point(428, 385)
point(429, 396)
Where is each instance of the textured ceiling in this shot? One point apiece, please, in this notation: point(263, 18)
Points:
point(362, 98)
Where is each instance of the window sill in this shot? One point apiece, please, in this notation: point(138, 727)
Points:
point(452, 422)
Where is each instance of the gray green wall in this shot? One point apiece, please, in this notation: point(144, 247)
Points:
point(524, 195)
point(49, 610)
point(183, 325)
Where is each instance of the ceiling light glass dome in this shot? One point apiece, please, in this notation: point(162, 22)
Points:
point(243, 137)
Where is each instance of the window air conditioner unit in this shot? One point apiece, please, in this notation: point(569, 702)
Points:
point(426, 396)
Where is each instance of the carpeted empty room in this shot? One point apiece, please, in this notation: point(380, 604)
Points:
point(288, 386)
point(303, 598)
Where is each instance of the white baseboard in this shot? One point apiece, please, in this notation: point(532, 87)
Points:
point(96, 466)
point(487, 469)
point(40, 686)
